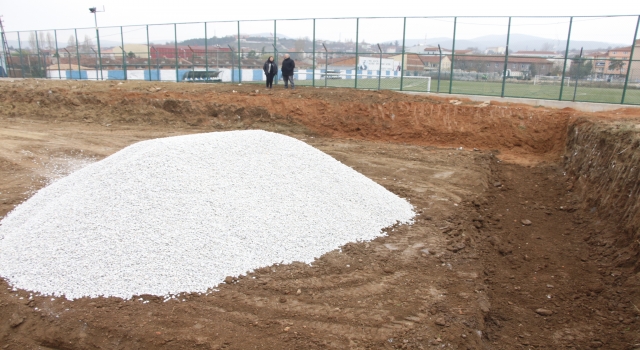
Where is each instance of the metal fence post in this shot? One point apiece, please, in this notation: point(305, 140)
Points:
point(275, 49)
point(439, 67)
point(404, 37)
point(124, 54)
point(575, 89)
point(240, 56)
point(20, 52)
point(506, 59)
point(232, 63)
point(55, 37)
point(379, 67)
point(313, 62)
point(566, 53)
point(149, 54)
point(326, 63)
point(453, 53)
point(633, 46)
point(78, 55)
point(206, 52)
point(38, 52)
point(175, 39)
point(357, 44)
point(5, 58)
point(95, 53)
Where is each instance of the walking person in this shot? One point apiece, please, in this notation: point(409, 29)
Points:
point(287, 71)
point(270, 69)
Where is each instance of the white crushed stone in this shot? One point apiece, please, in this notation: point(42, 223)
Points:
point(179, 214)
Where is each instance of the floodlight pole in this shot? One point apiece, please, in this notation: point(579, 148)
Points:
point(95, 19)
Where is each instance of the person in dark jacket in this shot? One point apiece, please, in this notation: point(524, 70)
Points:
point(287, 71)
point(270, 70)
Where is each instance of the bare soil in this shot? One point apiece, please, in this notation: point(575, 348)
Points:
point(507, 250)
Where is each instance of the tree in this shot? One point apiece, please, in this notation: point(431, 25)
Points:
point(87, 43)
point(42, 40)
point(533, 70)
point(71, 41)
point(50, 41)
point(252, 54)
point(299, 48)
point(579, 69)
point(33, 41)
point(131, 54)
point(615, 64)
point(299, 45)
point(546, 47)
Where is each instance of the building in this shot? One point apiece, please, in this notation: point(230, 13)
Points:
point(428, 63)
point(184, 51)
point(139, 50)
point(495, 50)
point(534, 53)
point(433, 50)
point(495, 64)
point(612, 63)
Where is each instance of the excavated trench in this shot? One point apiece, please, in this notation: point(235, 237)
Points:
point(603, 162)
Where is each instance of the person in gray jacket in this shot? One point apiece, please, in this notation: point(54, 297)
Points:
point(287, 71)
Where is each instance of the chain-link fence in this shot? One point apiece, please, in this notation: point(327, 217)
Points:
point(594, 59)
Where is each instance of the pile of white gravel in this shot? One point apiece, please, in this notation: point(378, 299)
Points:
point(179, 214)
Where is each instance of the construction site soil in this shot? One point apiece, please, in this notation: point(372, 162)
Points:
point(527, 233)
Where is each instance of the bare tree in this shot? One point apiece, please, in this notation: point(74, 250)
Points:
point(50, 41)
point(474, 50)
point(42, 41)
point(87, 43)
point(298, 46)
point(71, 41)
point(546, 47)
point(33, 41)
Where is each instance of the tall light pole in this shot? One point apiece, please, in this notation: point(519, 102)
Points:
point(95, 18)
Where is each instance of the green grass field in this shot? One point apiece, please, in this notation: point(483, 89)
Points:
point(488, 88)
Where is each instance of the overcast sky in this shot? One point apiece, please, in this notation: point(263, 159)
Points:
point(48, 14)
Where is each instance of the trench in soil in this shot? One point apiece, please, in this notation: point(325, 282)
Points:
point(527, 234)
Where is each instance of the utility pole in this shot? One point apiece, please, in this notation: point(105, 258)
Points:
point(95, 18)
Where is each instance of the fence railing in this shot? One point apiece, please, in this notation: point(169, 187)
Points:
point(591, 59)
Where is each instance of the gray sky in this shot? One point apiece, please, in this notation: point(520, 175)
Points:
point(41, 14)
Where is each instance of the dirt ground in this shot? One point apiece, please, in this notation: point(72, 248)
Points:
point(506, 251)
